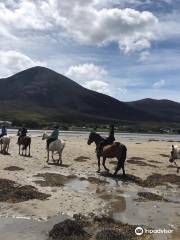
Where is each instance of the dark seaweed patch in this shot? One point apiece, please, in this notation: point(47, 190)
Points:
point(150, 196)
point(14, 193)
point(13, 168)
point(81, 159)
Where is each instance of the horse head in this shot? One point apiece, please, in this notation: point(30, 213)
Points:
point(44, 136)
point(94, 137)
point(91, 138)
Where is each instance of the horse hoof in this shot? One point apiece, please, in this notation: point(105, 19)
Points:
point(98, 171)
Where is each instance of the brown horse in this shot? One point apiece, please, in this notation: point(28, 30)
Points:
point(115, 150)
point(25, 141)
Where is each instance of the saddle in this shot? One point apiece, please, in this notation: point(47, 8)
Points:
point(101, 146)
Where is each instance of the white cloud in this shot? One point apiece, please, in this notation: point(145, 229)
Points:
point(98, 86)
point(87, 71)
point(131, 29)
point(13, 61)
point(144, 56)
point(159, 84)
point(90, 76)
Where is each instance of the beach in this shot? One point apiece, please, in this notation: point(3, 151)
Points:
point(148, 196)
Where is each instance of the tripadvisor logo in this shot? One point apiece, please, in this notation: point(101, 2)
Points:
point(139, 231)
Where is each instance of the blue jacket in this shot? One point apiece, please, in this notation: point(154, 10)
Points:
point(3, 131)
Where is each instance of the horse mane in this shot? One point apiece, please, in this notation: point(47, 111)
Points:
point(98, 135)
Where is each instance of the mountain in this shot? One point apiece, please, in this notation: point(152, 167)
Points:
point(39, 93)
point(164, 109)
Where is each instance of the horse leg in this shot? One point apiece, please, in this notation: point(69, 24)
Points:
point(47, 156)
point(29, 147)
point(22, 152)
point(104, 165)
point(60, 158)
point(121, 160)
point(7, 148)
point(119, 166)
point(52, 155)
point(176, 166)
point(26, 151)
point(19, 150)
point(99, 163)
point(123, 169)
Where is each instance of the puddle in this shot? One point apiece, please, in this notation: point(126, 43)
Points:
point(77, 185)
point(94, 180)
point(71, 182)
point(11, 192)
point(53, 179)
point(26, 229)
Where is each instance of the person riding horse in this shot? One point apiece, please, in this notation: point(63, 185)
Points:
point(24, 141)
point(54, 136)
point(22, 132)
point(107, 141)
point(3, 131)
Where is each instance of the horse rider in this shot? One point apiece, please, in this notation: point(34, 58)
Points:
point(54, 136)
point(22, 132)
point(3, 131)
point(107, 141)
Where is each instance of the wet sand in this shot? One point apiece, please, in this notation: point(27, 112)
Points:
point(149, 195)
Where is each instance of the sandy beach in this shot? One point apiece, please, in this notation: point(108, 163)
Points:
point(148, 196)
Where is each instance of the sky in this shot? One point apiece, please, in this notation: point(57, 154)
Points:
point(128, 49)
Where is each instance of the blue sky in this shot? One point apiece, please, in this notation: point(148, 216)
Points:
point(128, 49)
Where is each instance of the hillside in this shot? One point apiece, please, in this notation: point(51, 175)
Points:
point(166, 110)
point(39, 93)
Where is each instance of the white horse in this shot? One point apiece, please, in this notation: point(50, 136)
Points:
point(175, 155)
point(4, 142)
point(56, 146)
